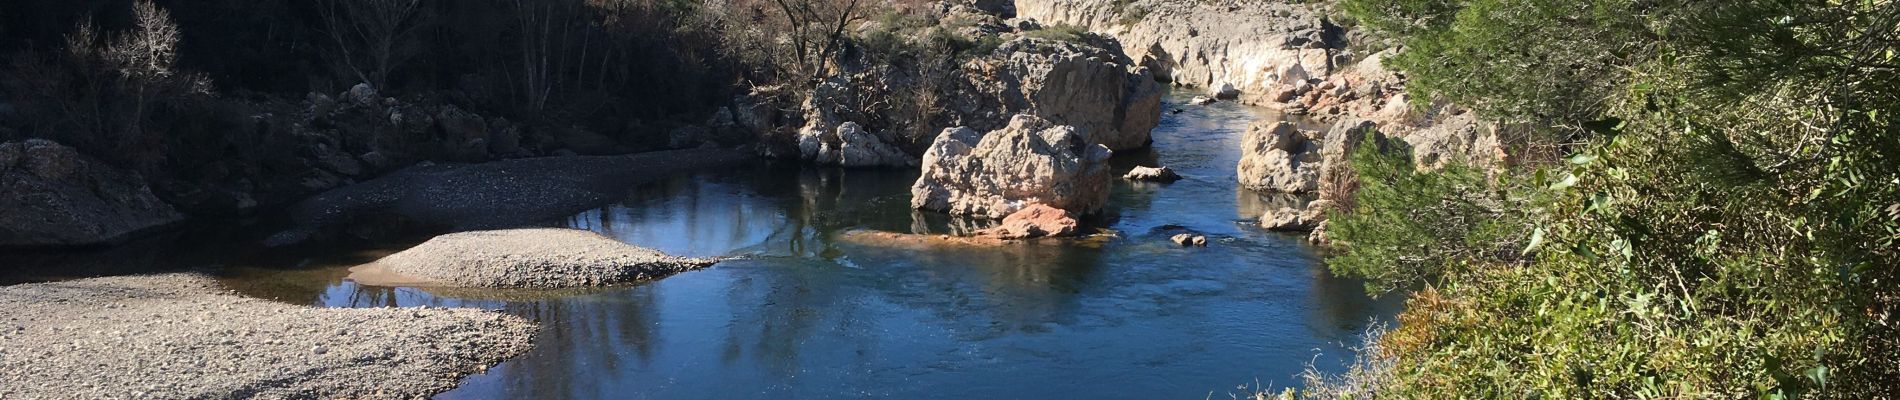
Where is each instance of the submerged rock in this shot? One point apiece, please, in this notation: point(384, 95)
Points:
point(1152, 174)
point(1031, 161)
point(523, 258)
point(1035, 221)
point(50, 195)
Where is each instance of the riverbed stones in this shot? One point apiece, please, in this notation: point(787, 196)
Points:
point(51, 195)
point(1031, 161)
point(523, 258)
point(1152, 174)
point(181, 336)
point(1189, 240)
point(1277, 157)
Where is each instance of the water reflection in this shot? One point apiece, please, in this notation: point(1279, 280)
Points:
point(803, 313)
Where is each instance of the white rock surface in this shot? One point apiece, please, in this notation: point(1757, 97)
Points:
point(1241, 52)
point(1030, 161)
point(1277, 157)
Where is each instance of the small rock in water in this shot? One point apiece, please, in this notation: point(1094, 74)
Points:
point(1201, 100)
point(1190, 240)
point(1152, 174)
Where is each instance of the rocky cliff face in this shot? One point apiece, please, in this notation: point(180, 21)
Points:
point(1289, 57)
point(1251, 52)
point(1080, 80)
point(1031, 161)
point(50, 195)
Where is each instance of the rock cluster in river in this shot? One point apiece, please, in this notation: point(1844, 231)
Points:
point(1030, 161)
point(1085, 82)
point(525, 258)
point(50, 195)
point(181, 336)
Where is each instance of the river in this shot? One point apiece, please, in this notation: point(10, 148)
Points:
point(800, 313)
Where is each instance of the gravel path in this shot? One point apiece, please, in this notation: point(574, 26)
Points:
point(501, 194)
point(182, 336)
point(522, 258)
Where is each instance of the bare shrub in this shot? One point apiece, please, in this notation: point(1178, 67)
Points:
point(368, 38)
point(102, 92)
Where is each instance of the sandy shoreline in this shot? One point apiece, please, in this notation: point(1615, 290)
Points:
point(182, 335)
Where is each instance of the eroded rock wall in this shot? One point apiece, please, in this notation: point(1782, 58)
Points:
point(1251, 51)
point(1084, 81)
point(50, 195)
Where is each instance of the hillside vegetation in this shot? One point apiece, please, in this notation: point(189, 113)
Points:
point(1723, 222)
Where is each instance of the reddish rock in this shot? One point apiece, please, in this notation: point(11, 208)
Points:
point(1034, 221)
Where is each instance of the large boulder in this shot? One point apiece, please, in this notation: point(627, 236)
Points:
point(1277, 157)
point(1088, 84)
point(1030, 161)
point(523, 258)
point(50, 195)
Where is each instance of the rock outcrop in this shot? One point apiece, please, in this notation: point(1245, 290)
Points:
point(523, 258)
point(1251, 52)
point(1080, 80)
point(994, 175)
point(1290, 219)
point(1087, 84)
point(850, 146)
point(50, 195)
point(1276, 156)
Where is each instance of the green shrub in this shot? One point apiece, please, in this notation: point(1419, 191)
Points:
point(1408, 227)
point(1727, 230)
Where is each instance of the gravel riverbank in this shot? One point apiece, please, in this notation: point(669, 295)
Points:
point(183, 336)
point(523, 258)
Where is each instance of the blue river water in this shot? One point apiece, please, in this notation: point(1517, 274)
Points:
point(802, 314)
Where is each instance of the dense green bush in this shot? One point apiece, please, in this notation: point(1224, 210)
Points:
point(1728, 230)
point(1408, 227)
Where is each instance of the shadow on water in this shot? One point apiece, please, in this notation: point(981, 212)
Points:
point(801, 313)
